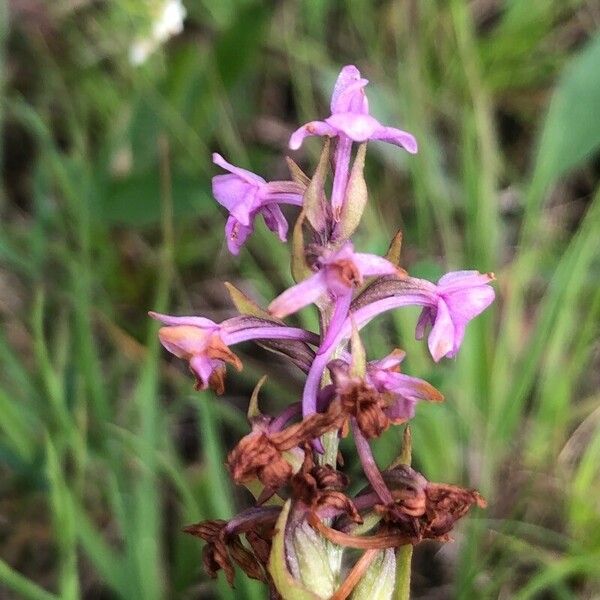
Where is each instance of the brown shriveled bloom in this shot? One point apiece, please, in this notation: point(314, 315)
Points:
point(321, 487)
point(259, 455)
point(220, 551)
point(420, 510)
point(424, 510)
point(363, 402)
point(224, 547)
point(384, 396)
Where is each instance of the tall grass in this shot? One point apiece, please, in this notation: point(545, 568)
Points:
point(105, 453)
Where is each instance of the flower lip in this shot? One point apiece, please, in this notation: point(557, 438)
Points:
point(358, 127)
point(460, 297)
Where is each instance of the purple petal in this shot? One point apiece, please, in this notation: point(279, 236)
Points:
point(459, 335)
point(412, 387)
point(202, 322)
point(340, 312)
point(291, 412)
point(244, 174)
point(230, 191)
point(459, 280)
point(397, 137)
point(236, 234)
point(388, 362)
point(202, 367)
point(348, 94)
point(467, 304)
point(298, 296)
point(426, 318)
point(313, 128)
point(343, 153)
point(371, 264)
point(275, 221)
point(441, 338)
point(358, 127)
point(402, 409)
point(313, 380)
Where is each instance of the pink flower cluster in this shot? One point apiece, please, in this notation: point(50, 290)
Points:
point(349, 288)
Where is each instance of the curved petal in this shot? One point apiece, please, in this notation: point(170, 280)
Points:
point(459, 280)
point(371, 264)
point(358, 127)
point(397, 137)
point(426, 318)
point(202, 322)
point(236, 234)
point(441, 338)
point(388, 362)
point(229, 189)
point(244, 174)
point(203, 367)
point(401, 410)
point(467, 304)
point(348, 94)
point(184, 341)
point(312, 128)
point(298, 296)
point(275, 221)
point(412, 387)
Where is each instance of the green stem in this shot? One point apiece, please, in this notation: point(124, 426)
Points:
point(404, 553)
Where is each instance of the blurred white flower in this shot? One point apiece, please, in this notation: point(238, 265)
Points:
point(169, 22)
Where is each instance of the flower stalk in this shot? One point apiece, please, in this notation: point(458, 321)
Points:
point(298, 543)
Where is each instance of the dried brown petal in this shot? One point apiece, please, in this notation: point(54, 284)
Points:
point(246, 560)
point(214, 555)
point(320, 486)
point(445, 505)
point(261, 545)
point(256, 456)
point(428, 513)
point(224, 547)
point(216, 381)
point(366, 405)
point(217, 349)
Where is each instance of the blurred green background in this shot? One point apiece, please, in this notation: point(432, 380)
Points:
point(105, 449)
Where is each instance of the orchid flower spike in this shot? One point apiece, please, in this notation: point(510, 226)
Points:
point(460, 297)
point(245, 195)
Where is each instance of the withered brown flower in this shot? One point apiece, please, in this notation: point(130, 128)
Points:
point(259, 455)
point(224, 546)
point(363, 402)
point(424, 510)
point(321, 487)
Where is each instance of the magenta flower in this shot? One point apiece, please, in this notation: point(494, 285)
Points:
point(458, 297)
point(405, 391)
point(350, 117)
point(349, 122)
point(198, 341)
point(245, 195)
point(461, 296)
point(205, 344)
point(338, 273)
